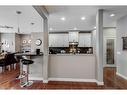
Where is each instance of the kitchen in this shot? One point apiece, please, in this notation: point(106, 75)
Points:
point(71, 56)
point(67, 47)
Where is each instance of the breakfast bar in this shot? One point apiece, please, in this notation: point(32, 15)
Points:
point(72, 67)
point(35, 69)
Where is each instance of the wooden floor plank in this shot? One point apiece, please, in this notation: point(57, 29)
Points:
point(111, 81)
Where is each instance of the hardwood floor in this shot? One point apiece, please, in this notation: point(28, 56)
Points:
point(111, 81)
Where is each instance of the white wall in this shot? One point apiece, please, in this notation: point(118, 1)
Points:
point(121, 55)
point(109, 32)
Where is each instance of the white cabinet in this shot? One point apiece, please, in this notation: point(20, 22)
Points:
point(52, 40)
point(85, 40)
point(58, 40)
point(73, 36)
point(63, 39)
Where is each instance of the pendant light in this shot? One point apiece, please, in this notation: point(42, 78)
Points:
point(18, 14)
point(32, 25)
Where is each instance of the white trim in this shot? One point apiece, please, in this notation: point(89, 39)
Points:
point(76, 80)
point(99, 83)
point(35, 78)
point(72, 79)
point(67, 79)
point(45, 81)
point(110, 65)
point(104, 52)
point(121, 75)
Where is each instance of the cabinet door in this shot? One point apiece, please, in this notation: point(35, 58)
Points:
point(52, 40)
point(73, 36)
point(65, 40)
point(84, 40)
point(58, 40)
point(81, 40)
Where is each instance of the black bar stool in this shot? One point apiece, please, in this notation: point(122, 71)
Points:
point(27, 62)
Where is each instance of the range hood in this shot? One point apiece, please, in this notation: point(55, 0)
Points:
point(73, 43)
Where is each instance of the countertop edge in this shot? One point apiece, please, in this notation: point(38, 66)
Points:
point(72, 54)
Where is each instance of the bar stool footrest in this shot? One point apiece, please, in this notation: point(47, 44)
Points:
point(27, 84)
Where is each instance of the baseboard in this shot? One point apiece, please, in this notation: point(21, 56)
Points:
point(99, 83)
point(72, 79)
point(67, 79)
point(124, 77)
point(45, 81)
point(35, 78)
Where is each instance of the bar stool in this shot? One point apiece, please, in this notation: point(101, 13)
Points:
point(26, 73)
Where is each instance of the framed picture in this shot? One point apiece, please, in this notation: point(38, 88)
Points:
point(124, 43)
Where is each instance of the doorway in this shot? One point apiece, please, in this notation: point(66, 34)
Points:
point(109, 52)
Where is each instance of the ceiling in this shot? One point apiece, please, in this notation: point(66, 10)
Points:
point(74, 13)
point(9, 17)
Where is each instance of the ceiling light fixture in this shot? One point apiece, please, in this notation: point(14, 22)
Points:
point(18, 13)
point(50, 29)
point(112, 15)
point(63, 18)
point(75, 28)
point(83, 18)
point(95, 27)
point(32, 26)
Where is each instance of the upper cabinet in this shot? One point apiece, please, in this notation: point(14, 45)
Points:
point(63, 39)
point(58, 40)
point(85, 40)
point(73, 36)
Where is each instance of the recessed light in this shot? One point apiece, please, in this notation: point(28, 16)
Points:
point(112, 15)
point(62, 18)
point(95, 27)
point(32, 23)
point(83, 18)
point(75, 28)
point(50, 29)
point(18, 12)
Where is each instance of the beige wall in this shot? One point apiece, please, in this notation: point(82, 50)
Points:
point(17, 43)
point(34, 37)
point(72, 66)
point(25, 46)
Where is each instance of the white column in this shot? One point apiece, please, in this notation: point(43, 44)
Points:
point(44, 14)
point(0, 42)
point(46, 52)
point(99, 47)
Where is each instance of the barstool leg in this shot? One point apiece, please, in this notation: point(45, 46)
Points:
point(29, 83)
point(21, 76)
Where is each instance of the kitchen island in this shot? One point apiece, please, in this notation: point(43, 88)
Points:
point(72, 67)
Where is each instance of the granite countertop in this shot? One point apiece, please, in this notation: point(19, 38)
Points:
point(66, 54)
point(29, 54)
